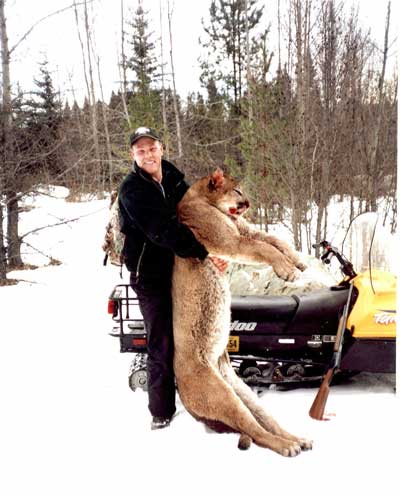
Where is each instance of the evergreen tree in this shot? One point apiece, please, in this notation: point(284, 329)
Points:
point(44, 117)
point(142, 61)
point(144, 102)
point(49, 106)
point(226, 32)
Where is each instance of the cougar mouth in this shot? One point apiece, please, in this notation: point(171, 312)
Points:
point(240, 208)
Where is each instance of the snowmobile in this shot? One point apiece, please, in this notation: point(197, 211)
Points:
point(290, 339)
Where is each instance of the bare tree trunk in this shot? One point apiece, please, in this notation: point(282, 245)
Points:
point(5, 122)
point(123, 99)
point(82, 48)
point(239, 48)
point(123, 56)
point(80, 173)
point(87, 71)
point(84, 74)
point(174, 95)
point(13, 241)
point(92, 96)
point(374, 166)
point(248, 74)
point(124, 83)
point(301, 23)
point(3, 259)
point(104, 109)
point(296, 221)
point(311, 203)
point(279, 36)
point(163, 98)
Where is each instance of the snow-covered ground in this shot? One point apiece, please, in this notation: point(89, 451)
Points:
point(69, 424)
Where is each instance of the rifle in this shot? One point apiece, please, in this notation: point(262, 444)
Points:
point(318, 406)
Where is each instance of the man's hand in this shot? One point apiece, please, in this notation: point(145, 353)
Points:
point(221, 264)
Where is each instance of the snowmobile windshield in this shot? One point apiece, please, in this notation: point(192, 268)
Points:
point(369, 244)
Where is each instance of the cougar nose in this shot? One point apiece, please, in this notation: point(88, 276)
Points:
point(243, 204)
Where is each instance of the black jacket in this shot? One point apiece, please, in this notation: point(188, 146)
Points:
point(149, 222)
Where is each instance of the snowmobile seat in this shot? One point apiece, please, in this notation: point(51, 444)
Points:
point(278, 311)
point(294, 314)
point(321, 309)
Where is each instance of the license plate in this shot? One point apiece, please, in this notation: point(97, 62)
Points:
point(233, 344)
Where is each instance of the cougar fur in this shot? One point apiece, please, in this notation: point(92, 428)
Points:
point(208, 386)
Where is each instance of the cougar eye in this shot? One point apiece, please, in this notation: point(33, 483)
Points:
point(239, 192)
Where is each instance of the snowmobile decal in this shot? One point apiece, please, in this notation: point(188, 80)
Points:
point(242, 325)
point(385, 317)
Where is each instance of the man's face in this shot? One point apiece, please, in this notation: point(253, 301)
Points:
point(148, 154)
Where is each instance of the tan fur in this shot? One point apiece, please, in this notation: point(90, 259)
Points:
point(208, 386)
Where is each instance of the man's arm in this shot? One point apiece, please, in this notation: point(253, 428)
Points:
point(160, 226)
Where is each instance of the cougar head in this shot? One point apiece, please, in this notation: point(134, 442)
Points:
point(224, 193)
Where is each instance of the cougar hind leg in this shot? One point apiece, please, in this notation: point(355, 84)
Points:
point(226, 407)
point(251, 401)
point(244, 441)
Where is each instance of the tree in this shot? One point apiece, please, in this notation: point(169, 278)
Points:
point(32, 155)
point(375, 169)
point(142, 61)
point(174, 92)
point(143, 99)
point(8, 186)
point(6, 118)
point(44, 122)
point(229, 30)
point(329, 64)
point(87, 50)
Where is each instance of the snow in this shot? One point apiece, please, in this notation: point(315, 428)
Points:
point(71, 425)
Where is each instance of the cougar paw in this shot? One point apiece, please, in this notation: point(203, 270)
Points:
point(305, 444)
point(244, 442)
point(301, 266)
point(291, 275)
point(286, 272)
point(292, 449)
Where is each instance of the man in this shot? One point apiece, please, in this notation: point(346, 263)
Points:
point(147, 201)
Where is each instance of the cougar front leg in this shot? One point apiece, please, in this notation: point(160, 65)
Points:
point(256, 234)
point(286, 250)
point(257, 251)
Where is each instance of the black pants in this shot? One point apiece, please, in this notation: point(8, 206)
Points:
point(155, 304)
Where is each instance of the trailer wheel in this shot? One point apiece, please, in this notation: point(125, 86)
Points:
point(138, 379)
point(138, 373)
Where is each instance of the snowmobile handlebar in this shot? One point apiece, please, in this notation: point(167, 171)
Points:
point(329, 251)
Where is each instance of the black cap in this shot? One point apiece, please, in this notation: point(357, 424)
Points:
point(143, 132)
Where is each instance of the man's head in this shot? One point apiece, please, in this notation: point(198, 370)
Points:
point(143, 132)
point(147, 151)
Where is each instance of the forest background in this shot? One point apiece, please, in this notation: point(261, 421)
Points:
point(311, 119)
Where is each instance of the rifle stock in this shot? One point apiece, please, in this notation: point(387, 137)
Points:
point(318, 406)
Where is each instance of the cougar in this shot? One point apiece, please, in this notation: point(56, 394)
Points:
point(207, 384)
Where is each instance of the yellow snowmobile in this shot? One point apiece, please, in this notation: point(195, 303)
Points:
point(293, 339)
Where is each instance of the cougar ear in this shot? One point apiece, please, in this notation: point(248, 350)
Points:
point(216, 180)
